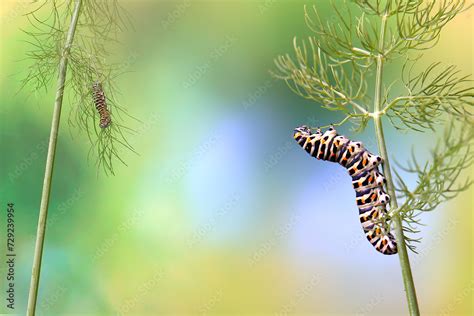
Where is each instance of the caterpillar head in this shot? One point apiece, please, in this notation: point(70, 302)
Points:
point(97, 85)
point(302, 131)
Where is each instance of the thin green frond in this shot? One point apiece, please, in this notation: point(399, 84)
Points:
point(338, 86)
point(419, 26)
point(438, 180)
point(430, 95)
point(98, 29)
point(346, 36)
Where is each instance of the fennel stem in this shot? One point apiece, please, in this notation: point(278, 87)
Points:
point(43, 213)
point(402, 248)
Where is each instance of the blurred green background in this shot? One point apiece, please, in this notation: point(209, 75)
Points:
point(220, 213)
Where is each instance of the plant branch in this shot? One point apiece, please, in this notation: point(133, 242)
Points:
point(35, 275)
point(89, 61)
point(314, 75)
point(430, 95)
point(437, 178)
point(402, 248)
point(339, 94)
point(437, 98)
point(347, 118)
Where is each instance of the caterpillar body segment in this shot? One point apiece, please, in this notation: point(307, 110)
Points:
point(367, 181)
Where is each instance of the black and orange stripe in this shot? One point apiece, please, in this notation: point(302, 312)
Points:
point(367, 180)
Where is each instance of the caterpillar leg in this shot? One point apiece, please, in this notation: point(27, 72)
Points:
point(378, 236)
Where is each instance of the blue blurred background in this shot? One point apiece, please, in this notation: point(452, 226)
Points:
point(221, 213)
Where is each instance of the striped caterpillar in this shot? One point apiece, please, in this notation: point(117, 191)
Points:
point(367, 180)
point(101, 105)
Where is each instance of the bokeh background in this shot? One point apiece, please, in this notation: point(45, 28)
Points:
point(220, 213)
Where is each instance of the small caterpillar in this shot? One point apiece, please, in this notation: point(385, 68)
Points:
point(101, 105)
point(367, 180)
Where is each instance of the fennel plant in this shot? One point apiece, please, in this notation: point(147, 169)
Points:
point(334, 68)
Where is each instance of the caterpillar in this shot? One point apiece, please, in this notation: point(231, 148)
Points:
point(100, 103)
point(367, 180)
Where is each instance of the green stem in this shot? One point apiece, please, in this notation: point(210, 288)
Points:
point(401, 245)
point(43, 213)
